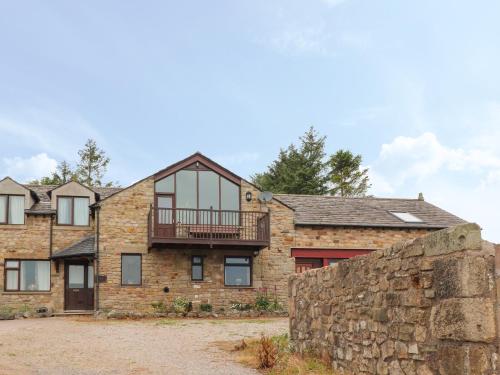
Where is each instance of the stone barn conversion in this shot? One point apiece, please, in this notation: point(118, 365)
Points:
point(194, 230)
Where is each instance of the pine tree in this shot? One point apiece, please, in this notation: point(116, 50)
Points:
point(297, 170)
point(346, 176)
point(92, 165)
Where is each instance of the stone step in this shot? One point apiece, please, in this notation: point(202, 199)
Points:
point(74, 312)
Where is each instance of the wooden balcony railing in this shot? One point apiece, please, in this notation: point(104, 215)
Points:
point(212, 227)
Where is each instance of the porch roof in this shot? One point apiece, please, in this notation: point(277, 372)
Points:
point(84, 247)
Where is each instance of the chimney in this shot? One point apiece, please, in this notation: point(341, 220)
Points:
point(420, 196)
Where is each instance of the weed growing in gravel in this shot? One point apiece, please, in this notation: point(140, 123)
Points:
point(282, 360)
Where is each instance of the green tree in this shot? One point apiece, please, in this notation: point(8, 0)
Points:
point(66, 173)
point(346, 176)
point(92, 165)
point(297, 170)
point(63, 174)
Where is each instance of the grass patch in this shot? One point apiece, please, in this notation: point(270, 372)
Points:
point(249, 353)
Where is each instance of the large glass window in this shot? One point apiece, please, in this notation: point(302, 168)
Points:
point(202, 189)
point(230, 200)
point(27, 275)
point(73, 211)
point(165, 185)
point(237, 271)
point(11, 209)
point(131, 269)
point(197, 268)
point(208, 190)
point(185, 188)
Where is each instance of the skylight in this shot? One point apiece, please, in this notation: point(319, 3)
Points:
point(407, 217)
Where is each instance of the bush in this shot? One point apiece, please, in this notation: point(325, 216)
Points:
point(206, 307)
point(182, 305)
point(159, 307)
point(267, 353)
point(262, 302)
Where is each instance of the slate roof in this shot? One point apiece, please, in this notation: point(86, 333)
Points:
point(365, 212)
point(84, 247)
point(43, 204)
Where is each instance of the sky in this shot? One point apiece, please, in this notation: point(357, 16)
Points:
point(412, 86)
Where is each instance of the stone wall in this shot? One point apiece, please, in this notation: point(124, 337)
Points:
point(31, 241)
point(425, 306)
point(353, 237)
point(123, 229)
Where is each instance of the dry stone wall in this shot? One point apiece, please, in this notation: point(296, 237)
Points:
point(425, 306)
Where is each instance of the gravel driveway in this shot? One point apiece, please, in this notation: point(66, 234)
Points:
point(58, 346)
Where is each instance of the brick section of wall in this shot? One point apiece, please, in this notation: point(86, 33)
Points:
point(421, 307)
point(31, 241)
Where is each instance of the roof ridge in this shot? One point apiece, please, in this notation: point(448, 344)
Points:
point(89, 187)
point(348, 198)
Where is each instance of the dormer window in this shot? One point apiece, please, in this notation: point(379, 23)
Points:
point(407, 217)
point(12, 209)
point(73, 210)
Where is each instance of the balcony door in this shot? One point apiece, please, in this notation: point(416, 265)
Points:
point(165, 215)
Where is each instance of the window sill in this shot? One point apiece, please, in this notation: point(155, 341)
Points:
point(238, 287)
point(13, 226)
point(26, 293)
point(73, 227)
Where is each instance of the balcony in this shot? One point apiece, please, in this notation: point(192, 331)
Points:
point(184, 227)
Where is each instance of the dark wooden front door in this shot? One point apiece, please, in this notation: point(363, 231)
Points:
point(165, 219)
point(78, 285)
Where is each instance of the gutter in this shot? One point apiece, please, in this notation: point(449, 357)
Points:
point(96, 275)
point(51, 235)
point(388, 226)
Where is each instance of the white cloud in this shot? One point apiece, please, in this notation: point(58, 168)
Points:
point(26, 169)
point(424, 156)
point(380, 186)
point(464, 181)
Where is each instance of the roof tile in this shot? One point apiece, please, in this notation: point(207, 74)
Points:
point(368, 212)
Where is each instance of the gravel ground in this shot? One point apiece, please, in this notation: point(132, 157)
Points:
point(83, 346)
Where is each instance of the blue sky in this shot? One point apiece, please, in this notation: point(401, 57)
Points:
point(412, 86)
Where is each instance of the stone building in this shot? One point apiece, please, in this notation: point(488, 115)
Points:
point(193, 230)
